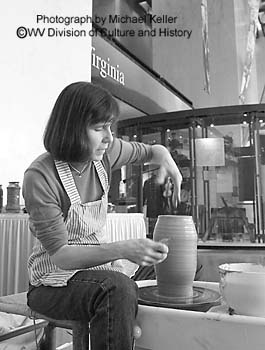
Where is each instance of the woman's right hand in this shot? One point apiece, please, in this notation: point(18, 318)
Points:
point(144, 251)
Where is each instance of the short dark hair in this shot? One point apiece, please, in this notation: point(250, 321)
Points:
point(79, 104)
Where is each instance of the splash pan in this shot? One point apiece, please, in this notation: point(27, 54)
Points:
point(202, 300)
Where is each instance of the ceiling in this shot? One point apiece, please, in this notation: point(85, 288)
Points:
point(127, 111)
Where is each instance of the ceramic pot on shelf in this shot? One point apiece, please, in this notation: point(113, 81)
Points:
point(175, 275)
point(13, 197)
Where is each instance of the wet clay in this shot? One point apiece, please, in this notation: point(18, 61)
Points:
point(175, 275)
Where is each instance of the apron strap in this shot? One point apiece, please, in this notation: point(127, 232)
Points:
point(68, 182)
point(102, 174)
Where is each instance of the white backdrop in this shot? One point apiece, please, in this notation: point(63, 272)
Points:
point(33, 71)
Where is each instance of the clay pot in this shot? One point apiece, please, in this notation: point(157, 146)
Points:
point(175, 275)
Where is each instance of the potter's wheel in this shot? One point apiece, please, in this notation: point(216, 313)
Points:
point(202, 300)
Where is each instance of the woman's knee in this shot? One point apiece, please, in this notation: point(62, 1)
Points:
point(122, 287)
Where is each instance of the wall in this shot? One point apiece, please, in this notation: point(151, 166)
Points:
point(180, 60)
point(141, 47)
point(260, 51)
point(33, 71)
point(241, 31)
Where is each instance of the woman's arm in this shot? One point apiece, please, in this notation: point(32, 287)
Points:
point(143, 252)
point(168, 168)
point(122, 153)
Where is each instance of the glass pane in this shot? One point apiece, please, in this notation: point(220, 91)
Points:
point(228, 189)
point(123, 193)
point(260, 125)
point(178, 143)
point(152, 191)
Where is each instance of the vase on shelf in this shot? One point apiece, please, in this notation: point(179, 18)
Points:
point(13, 197)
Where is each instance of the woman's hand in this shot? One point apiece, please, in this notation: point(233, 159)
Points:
point(143, 251)
point(168, 168)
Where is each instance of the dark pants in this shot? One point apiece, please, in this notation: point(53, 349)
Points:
point(148, 272)
point(106, 299)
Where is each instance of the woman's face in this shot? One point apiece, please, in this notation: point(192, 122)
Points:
point(99, 139)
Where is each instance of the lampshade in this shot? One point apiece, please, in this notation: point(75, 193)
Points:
point(210, 152)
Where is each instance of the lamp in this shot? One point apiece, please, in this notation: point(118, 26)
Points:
point(210, 152)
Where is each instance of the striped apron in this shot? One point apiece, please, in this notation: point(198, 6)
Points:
point(85, 224)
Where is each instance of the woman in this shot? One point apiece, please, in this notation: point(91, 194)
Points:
point(73, 270)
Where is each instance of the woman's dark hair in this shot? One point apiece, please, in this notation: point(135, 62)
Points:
point(79, 104)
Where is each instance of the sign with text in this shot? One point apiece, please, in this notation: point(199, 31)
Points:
point(130, 82)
